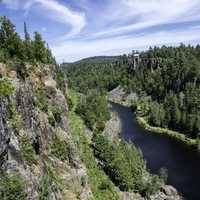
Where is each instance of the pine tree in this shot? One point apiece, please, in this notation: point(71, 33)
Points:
point(39, 48)
point(11, 43)
point(28, 49)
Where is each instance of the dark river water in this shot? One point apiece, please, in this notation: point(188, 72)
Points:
point(182, 163)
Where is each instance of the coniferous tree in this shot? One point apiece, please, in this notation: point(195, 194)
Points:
point(28, 49)
point(39, 48)
point(11, 43)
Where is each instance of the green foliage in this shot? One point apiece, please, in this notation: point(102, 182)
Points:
point(12, 187)
point(42, 100)
point(86, 76)
point(157, 114)
point(12, 47)
point(51, 120)
point(27, 150)
point(93, 108)
point(39, 48)
point(44, 190)
point(169, 75)
point(59, 148)
point(6, 89)
point(60, 79)
point(123, 163)
point(49, 182)
point(69, 103)
point(101, 186)
point(55, 110)
point(15, 118)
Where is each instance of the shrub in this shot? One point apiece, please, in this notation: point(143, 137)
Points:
point(93, 108)
point(15, 118)
point(6, 89)
point(12, 187)
point(44, 190)
point(51, 120)
point(59, 148)
point(56, 113)
point(28, 151)
point(60, 79)
point(42, 100)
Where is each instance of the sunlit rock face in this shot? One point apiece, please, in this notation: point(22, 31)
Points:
point(33, 128)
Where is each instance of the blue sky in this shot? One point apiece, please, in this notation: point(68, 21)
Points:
point(76, 29)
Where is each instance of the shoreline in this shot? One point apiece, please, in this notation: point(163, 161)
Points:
point(158, 130)
point(163, 131)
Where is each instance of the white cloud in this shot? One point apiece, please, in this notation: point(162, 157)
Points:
point(109, 25)
point(54, 10)
point(74, 50)
point(147, 13)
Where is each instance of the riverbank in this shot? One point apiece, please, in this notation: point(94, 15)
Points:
point(163, 131)
point(158, 130)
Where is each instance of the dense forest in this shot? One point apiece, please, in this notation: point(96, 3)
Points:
point(166, 79)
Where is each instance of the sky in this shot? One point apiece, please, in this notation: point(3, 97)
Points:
point(75, 29)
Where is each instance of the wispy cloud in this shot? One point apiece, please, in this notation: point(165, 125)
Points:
point(54, 10)
point(74, 50)
point(147, 13)
point(109, 27)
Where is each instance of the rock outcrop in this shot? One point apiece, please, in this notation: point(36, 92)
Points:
point(33, 130)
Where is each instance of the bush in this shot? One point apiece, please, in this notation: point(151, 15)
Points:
point(12, 187)
point(59, 148)
point(51, 120)
point(56, 113)
point(44, 190)
point(60, 79)
point(6, 89)
point(42, 100)
point(15, 118)
point(93, 108)
point(122, 162)
point(28, 151)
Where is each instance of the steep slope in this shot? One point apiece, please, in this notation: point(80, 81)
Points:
point(38, 156)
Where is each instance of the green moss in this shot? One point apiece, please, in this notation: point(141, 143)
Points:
point(28, 152)
point(12, 187)
point(6, 89)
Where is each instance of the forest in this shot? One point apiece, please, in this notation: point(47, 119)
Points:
point(167, 80)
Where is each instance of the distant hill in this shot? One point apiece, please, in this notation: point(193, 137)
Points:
point(95, 60)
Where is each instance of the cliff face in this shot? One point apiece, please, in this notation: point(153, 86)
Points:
point(35, 141)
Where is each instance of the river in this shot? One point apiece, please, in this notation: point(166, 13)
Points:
point(182, 163)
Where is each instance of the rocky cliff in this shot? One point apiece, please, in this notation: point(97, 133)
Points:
point(38, 157)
